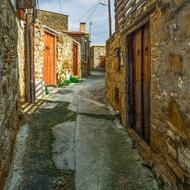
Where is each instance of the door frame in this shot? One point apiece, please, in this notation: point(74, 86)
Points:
point(75, 45)
point(131, 85)
point(55, 52)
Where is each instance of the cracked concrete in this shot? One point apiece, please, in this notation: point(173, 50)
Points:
point(73, 143)
point(63, 146)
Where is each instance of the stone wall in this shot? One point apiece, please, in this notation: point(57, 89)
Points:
point(115, 79)
point(65, 57)
point(170, 118)
point(169, 149)
point(56, 21)
point(84, 40)
point(21, 60)
point(96, 53)
point(8, 86)
point(39, 60)
point(85, 55)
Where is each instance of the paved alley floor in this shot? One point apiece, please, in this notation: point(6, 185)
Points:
point(70, 142)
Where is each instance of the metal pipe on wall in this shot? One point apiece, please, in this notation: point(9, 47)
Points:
point(30, 78)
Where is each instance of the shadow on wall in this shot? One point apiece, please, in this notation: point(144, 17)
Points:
point(8, 86)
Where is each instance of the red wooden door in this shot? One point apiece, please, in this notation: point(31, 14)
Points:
point(75, 60)
point(49, 68)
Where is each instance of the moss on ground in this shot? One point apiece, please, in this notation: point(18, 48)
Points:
point(39, 169)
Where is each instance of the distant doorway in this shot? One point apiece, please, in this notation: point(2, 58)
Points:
point(138, 80)
point(49, 68)
point(75, 60)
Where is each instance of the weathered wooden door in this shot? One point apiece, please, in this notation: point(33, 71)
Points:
point(137, 66)
point(75, 60)
point(139, 78)
point(49, 67)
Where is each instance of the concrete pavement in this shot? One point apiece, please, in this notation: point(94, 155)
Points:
point(72, 143)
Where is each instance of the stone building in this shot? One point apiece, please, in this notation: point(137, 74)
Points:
point(68, 57)
point(83, 38)
point(58, 53)
point(12, 77)
point(8, 85)
point(56, 21)
point(53, 57)
point(97, 58)
point(147, 80)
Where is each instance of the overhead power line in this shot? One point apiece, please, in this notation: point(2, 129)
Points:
point(60, 6)
point(99, 16)
point(88, 12)
point(93, 13)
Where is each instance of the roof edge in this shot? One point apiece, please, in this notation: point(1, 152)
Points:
point(41, 10)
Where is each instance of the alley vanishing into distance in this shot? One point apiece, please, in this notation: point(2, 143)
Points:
point(71, 139)
point(94, 95)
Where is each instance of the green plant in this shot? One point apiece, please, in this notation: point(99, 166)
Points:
point(46, 90)
point(74, 79)
point(71, 80)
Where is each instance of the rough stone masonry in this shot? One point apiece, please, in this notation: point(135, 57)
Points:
point(54, 24)
point(169, 148)
point(8, 85)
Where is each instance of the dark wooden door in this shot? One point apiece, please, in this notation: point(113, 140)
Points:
point(139, 78)
point(49, 67)
point(75, 60)
point(137, 66)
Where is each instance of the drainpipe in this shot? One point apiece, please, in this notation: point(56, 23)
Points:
point(31, 50)
point(28, 15)
point(30, 79)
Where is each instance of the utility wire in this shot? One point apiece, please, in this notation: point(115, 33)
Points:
point(100, 14)
point(90, 12)
point(60, 6)
point(99, 17)
point(89, 16)
point(96, 15)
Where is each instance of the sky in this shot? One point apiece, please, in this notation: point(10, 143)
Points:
point(84, 11)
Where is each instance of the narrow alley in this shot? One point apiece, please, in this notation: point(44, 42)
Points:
point(94, 95)
point(73, 141)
